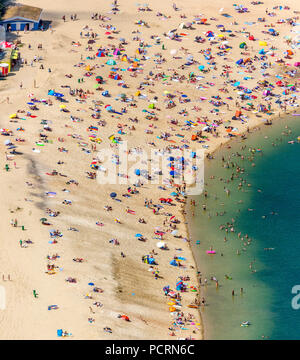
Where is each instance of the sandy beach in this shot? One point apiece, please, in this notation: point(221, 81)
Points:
point(83, 256)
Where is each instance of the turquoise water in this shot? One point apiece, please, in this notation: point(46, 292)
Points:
point(268, 211)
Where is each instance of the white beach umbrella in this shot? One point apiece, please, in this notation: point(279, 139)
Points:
point(161, 244)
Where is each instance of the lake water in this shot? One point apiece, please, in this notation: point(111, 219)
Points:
point(266, 267)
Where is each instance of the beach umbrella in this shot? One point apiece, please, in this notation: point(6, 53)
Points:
point(262, 43)
point(138, 235)
point(190, 58)
point(43, 219)
point(51, 194)
point(58, 95)
point(91, 284)
point(174, 232)
point(173, 52)
point(161, 244)
point(113, 195)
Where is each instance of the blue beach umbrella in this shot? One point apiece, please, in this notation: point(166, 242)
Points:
point(113, 195)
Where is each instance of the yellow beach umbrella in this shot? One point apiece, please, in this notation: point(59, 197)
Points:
point(262, 43)
point(171, 303)
point(12, 116)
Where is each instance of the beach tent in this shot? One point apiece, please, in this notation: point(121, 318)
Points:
point(100, 54)
point(151, 106)
point(117, 52)
point(110, 62)
point(209, 34)
point(239, 62)
point(179, 286)
point(242, 45)
point(125, 58)
point(261, 51)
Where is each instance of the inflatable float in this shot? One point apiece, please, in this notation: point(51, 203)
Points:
point(245, 324)
point(210, 252)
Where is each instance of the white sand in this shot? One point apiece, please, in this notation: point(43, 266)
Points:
point(128, 287)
